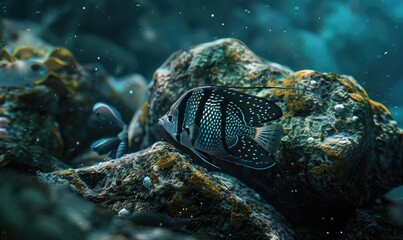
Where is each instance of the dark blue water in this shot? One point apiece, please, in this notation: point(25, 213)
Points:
point(359, 38)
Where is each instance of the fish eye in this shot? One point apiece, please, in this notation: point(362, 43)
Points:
point(170, 118)
point(36, 67)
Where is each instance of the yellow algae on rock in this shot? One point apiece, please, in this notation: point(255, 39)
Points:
point(26, 52)
point(349, 83)
point(356, 97)
point(239, 212)
point(60, 62)
point(320, 169)
point(303, 74)
point(379, 108)
point(296, 104)
point(201, 183)
point(72, 177)
point(62, 59)
point(6, 56)
point(215, 209)
point(166, 162)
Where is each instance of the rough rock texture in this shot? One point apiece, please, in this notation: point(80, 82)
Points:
point(340, 149)
point(225, 62)
point(41, 116)
point(221, 207)
point(34, 140)
point(51, 120)
point(371, 225)
point(30, 209)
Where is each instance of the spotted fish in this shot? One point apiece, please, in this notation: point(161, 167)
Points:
point(227, 124)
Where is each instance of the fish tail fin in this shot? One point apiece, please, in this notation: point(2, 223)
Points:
point(269, 136)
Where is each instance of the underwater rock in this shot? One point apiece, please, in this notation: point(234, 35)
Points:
point(313, 34)
point(41, 111)
point(340, 149)
point(225, 62)
point(48, 115)
point(370, 225)
point(31, 209)
point(215, 207)
point(33, 140)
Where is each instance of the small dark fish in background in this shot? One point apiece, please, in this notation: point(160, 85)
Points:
point(115, 146)
point(227, 124)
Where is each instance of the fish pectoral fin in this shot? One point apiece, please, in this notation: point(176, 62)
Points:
point(203, 156)
point(246, 152)
point(104, 145)
point(269, 137)
point(185, 138)
point(194, 132)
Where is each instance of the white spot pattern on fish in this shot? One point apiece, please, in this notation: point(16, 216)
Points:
point(227, 124)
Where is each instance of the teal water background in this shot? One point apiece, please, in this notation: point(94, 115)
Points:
point(359, 38)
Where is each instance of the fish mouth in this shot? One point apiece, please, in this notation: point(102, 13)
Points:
point(160, 121)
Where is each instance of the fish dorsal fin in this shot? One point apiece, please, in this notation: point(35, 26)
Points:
point(246, 152)
point(256, 111)
point(299, 89)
